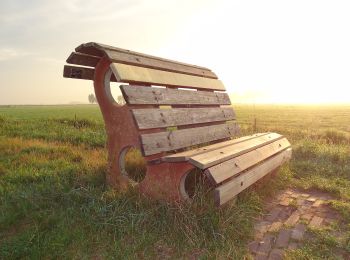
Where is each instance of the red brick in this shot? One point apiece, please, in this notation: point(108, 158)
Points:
point(307, 216)
point(332, 214)
point(261, 257)
point(301, 202)
point(293, 245)
point(295, 195)
point(261, 228)
point(273, 214)
point(321, 214)
point(322, 209)
point(311, 199)
point(284, 214)
point(265, 245)
point(281, 196)
point(303, 209)
point(253, 246)
point(298, 232)
point(324, 197)
point(283, 238)
point(328, 221)
point(275, 226)
point(293, 219)
point(276, 254)
point(315, 222)
point(317, 203)
point(285, 201)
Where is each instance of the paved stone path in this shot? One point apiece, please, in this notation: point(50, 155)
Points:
point(288, 216)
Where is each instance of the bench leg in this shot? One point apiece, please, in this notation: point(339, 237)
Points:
point(163, 181)
point(120, 126)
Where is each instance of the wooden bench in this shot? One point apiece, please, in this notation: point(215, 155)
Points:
point(193, 130)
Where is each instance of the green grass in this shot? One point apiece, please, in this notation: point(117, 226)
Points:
point(54, 202)
point(322, 245)
point(81, 124)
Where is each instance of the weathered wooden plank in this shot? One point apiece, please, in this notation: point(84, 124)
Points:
point(134, 74)
point(91, 48)
point(138, 95)
point(154, 118)
point(185, 156)
point(220, 172)
point(172, 140)
point(143, 60)
point(227, 191)
point(81, 73)
point(209, 159)
point(78, 72)
point(83, 59)
point(83, 48)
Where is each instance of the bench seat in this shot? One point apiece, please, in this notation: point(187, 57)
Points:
point(234, 165)
point(234, 186)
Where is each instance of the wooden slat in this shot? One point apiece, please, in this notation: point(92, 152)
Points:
point(143, 60)
point(134, 74)
point(102, 47)
point(185, 156)
point(83, 59)
point(172, 140)
point(209, 159)
point(129, 59)
point(154, 118)
point(227, 191)
point(138, 95)
point(78, 72)
point(232, 167)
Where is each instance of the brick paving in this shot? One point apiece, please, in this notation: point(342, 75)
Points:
point(286, 221)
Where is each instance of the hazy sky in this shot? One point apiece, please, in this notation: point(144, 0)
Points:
point(264, 51)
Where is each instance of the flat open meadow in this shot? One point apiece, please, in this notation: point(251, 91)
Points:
point(54, 202)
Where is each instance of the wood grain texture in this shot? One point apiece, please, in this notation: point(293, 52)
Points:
point(172, 140)
point(102, 47)
point(154, 118)
point(134, 74)
point(185, 156)
point(229, 190)
point(232, 167)
point(138, 95)
point(206, 160)
point(127, 58)
point(83, 59)
point(120, 55)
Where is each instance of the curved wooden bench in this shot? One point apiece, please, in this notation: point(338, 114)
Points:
point(198, 112)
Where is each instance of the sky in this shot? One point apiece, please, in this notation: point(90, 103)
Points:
point(271, 51)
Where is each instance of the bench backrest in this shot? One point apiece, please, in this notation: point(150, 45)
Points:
point(174, 105)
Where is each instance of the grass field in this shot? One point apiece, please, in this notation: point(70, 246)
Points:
point(54, 203)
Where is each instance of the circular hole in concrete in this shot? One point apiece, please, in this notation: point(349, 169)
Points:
point(117, 94)
point(132, 164)
point(194, 184)
point(112, 90)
